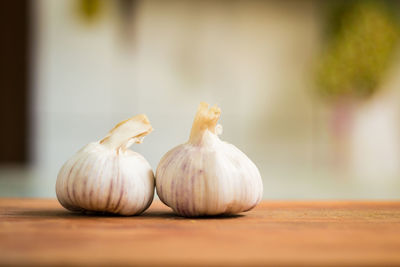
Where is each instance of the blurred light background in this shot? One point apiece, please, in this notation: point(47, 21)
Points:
point(309, 90)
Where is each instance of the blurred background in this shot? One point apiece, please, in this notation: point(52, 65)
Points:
point(309, 90)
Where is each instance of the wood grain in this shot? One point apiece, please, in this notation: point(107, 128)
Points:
point(38, 231)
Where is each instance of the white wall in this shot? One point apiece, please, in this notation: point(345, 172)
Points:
point(239, 56)
point(253, 58)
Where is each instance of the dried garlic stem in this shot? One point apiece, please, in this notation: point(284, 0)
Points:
point(127, 132)
point(206, 119)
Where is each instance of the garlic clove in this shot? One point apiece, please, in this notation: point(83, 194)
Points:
point(106, 176)
point(207, 176)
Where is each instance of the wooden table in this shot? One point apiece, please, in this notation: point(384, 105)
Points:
point(39, 231)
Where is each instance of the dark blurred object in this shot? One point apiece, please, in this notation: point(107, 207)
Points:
point(14, 80)
point(362, 37)
point(126, 11)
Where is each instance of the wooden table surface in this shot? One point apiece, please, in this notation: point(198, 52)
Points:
point(40, 231)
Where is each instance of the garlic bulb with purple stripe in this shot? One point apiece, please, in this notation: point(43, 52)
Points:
point(207, 176)
point(106, 176)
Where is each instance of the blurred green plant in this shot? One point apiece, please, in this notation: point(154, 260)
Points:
point(89, 9)
point(362, 37)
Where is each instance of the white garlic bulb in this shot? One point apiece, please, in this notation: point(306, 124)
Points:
point(207, 176)
point(106, 176)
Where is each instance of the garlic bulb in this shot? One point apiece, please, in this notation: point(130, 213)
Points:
point(106, 176)
point(207, 176)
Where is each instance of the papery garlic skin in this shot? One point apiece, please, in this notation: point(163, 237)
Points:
point(207, 176)
point(106, 176)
